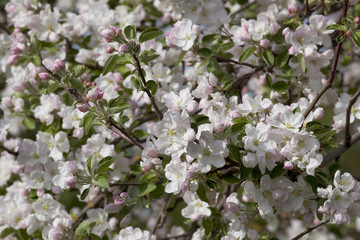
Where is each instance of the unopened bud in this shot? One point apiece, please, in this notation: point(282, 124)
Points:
point(264, 43)
point(123, 48)
point(125, 221)
point(357, 20)
point(54, 37)
point(112, 208)
point(348, 33)
point(110, 49)
point(12, 59)
point(57, 65)
point(71, 181)
point(44, 75)
point(81, 107)
point(288, 166)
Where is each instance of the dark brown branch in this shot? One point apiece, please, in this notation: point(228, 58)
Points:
point(152, 99)
point(8, 150)
point(223, 59)
point(348, 113)
point(131, 183)
point(310, 229)
point(340, 150)
point(331, 78)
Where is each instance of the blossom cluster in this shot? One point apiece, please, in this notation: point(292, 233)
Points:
point(167, 119)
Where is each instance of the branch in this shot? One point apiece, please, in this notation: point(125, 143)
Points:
point(152, 99)
point(8, 150)
point(340, 150)
point(223, 59)
point(330, 80)
point(246, 6)
point(91, 204)
point(162, 215)
point(131, 183)
point(348, 113)
point(309, 229)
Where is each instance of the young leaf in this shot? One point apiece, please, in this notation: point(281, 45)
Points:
point(146, 188)
point(280, 86)
point(101, 181)
point(281, 59)
point(205, 52)
point(301, 60)
point(87, 122)
point(268, 57)
point(336, 27)
point(104, 164)
point(84, 228)
point(110, 63)
point(247, 53)
point(210, 38)
point(149, 34)
point(152, 86)
point(356, 39)
point(29, 123)
point(130, 32)
point(136, 82)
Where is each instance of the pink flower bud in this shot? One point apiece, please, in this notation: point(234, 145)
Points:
point(12, 59)
point(81, 107)
point(147, 168)
point(126, 221)
point(318, 113)
point(285, 31)
point(15, 50)
point(264, 43)
point(357, 20)
point(192, 106)
point(152, 153)
point(288, 166)
point(107, 33)
point(57, 65)
point(56, 235)
point(274, 28)
point(112, 208)
point(213, 80)
point(71, 181)
point(293, 51)
point(56, 189)
point(54, 37)
point(123, 48)
point(100, 93)
point(78, 133)
point(170, 39)
point(44, 75)
point(110, 49)
point(92, 94)
point(185, 186)
point(124, 195)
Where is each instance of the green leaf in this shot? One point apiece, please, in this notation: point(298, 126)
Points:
point(228, 177)
point(301, 60)
point(277, 171)
point(130, 32)
point(311, 180)
point(205, 52)
point(280, 86)
point(78, 70)
point(119, 108)
point(239, 124)
point(148, 55)
point(101, 181)
point(149, 34)
point(149, 177)
point(333, 168)
point(84, 228)
point(76, 84)
point(247, 53)
point(53, 86)
point(35, 59)
point(136, 82)
point(268, 57)
point(146, 188)
point(208, 226)
point(104, 164)
point(234, 153)
point(356, 39)
point(282, 59)
point(210, 38)
point(337, 27)
point(87, 122)
point(213, 66)
point(180, 58)
point(6, 232)
point(152, 86)
point(90, 164)
point(340, 38)
point(244, 172)
point(139, 133)
point(110, 63)
point(85, 193)
point(212, 184)
point(29, 123)
point(201, 119)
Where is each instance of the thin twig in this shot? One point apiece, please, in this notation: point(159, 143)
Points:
point(309, 230)
point(331, 78)
point(340, 150)
point(91, 204)
point(131, 183)
point(162, 215)
point(8, 150)
point(348, 113)
point(151, 97)
point(223, 59)
point(243, 8)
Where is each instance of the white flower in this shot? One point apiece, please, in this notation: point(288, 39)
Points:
point(345, 182)
point(57, 144)
point(130, 233)
point(46, 23)
point(49, 103)
point(183, 34)
point(31, 152)
point(99, 216)
point(195, 208)
point(46, 208)
point(6, 163)
point(176, 172)
point(209, 152)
